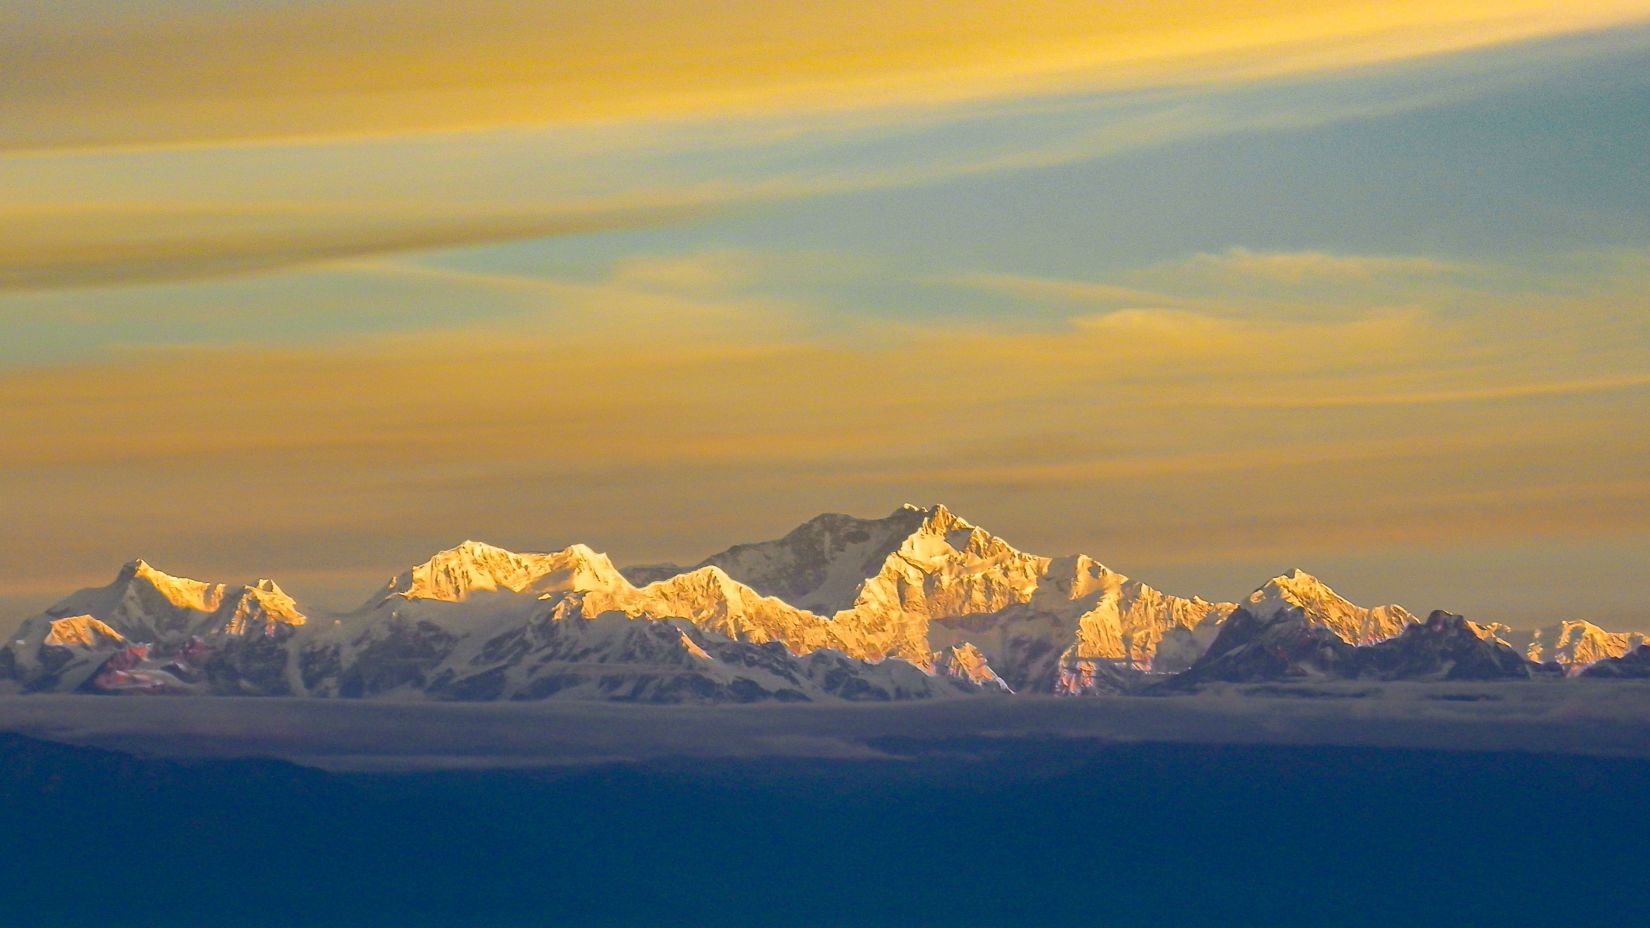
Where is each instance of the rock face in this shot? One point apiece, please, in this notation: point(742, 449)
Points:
point(1276, 644)
point(1444, 647)
point(1287, 645)
point(1634, 665)
point(918, 604)
point(819, 566)
point(966, 662)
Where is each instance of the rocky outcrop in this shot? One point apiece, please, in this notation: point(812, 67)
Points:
point(1443, 647)
point(1634, 665)
point(1287, 645)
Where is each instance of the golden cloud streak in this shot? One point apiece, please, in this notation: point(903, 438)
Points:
point(89, 245)
point(560, 423)
point(85, 75)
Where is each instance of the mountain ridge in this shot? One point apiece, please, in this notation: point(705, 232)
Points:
point(921, 588)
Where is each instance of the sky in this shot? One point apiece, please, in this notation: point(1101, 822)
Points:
point(1205, 289)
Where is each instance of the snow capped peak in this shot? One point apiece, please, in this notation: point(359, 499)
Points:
point(261, 608)
point(932, 520)
point(473, 567)
point(714, 576)
point(711, 599)
point(1572, 643)
point(918, 589)
point(819, 566)
point(939, 520)
point(1295, 588)
point(180, 592)
point(142, 609)
point(942, 535)
point(1322, 606)
point(1080, 576)
point(1296, 580)
point(708, 582)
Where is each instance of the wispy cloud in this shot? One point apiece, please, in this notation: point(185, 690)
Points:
point(187, 208)
point(1070, 294)
point(84, 245)
point(82, 73)
point(1484, 394)
point(1300, 267)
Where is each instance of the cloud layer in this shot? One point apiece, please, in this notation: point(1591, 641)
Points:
point(171, 71)
point(319, 287)
point(582, 410)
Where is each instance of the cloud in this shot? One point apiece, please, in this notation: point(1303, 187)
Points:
point(234, 203)
point(1302, 267)
point(1239, 281)
point(171, 71)
point(1601, 718)
point(679, 395)
point(1484, 394)
point(710, 271)
point(90, 245)
point(1067, 293)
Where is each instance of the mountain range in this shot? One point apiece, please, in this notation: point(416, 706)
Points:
point(919, 604)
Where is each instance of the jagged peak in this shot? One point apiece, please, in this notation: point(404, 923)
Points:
point(726, 591)
point(473, 566)
point(1441, 619)
point(473, 548)
point(181, 592)
point(942, 521)
point(709, 575)
point(1293, 587)
point(1081, 565)
point(1078, 576)
point(1295, 578)
point(942, 531)
point(1354, 623)
point(584, 553)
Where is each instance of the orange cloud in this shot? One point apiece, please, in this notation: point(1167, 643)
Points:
point(86, 74)
point(641, 412)
point(77, 245)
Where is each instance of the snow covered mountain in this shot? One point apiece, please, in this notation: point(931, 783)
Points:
point(473, 622)
point(819, 566)
point(168, 633)
point(918, 604)
point(921, 581)
point(1324, 607)
point(1285, 644)
point(1572, 644)
point(478, 622)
